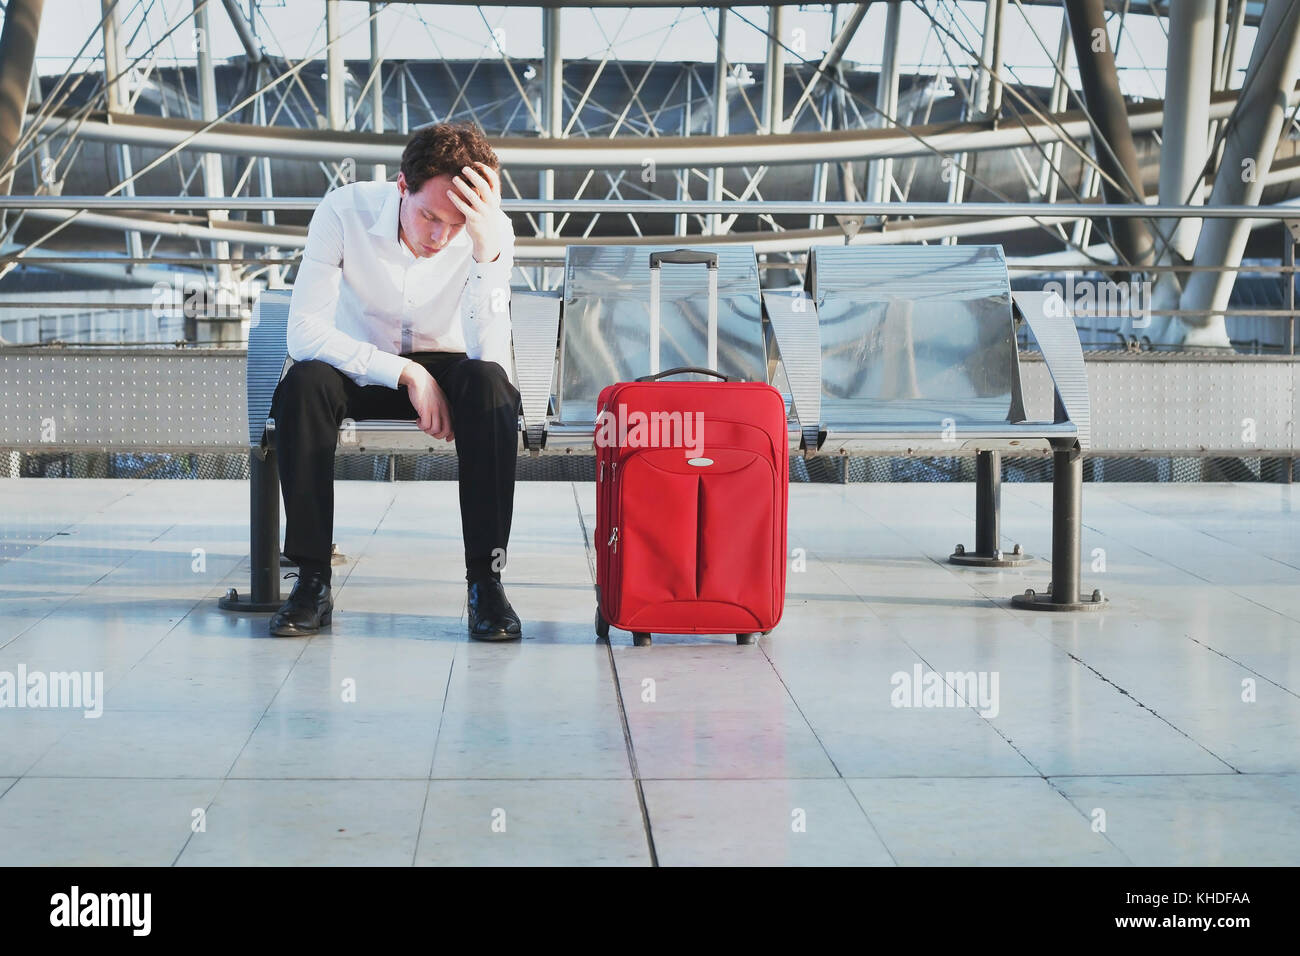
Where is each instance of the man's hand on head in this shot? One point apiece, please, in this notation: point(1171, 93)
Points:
point(476, 193)
point(432, 409)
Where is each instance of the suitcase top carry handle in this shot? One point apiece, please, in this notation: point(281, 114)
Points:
point(681, 371)
point(684, 257)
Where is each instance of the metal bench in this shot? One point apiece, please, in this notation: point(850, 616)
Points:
point(534, 319)
point(888, 350)
point(911, 350)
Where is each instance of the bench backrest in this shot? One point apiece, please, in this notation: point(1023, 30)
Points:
point(913, 335)
point(606, 331)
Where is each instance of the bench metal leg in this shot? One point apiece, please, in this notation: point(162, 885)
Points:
point(1067, 540)
point(988, 551)
point(263, 538)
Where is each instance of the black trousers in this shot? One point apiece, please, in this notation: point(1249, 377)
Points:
point(314, 398)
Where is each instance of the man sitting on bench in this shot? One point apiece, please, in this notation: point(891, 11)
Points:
point(400, 311)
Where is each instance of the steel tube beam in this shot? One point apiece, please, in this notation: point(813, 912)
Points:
point(977, 105)
point(667, 152)
point(17, 55)
point(335, 104)
point(721, 117)
point(843, 36)
point(1116, 154)
point(988, 95)
point(119, 101)
point(405, 128)
point(1183, 152)
point(886, 100)
point(139, 274)
point(789, 241)
point(380, 171)
point(774, 74)
point(1005, 211)
point(552, 102)
point(213, 178)
point(275, 273)
point(1134, 6)
point(1187, 117)
point(1249, 147)
point(1049, 177)
point(252, 48)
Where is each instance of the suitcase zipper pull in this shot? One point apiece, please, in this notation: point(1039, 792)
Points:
point(600, 473)
point(613, 540)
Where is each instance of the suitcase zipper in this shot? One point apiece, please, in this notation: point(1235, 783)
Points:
point(613, 540)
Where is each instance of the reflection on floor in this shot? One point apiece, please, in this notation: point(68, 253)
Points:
point(902, 713)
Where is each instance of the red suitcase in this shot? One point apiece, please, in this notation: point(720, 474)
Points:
point(691, 483)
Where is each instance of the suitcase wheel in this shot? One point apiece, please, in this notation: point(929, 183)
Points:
point(747, 638)
point(641, 639)
point(602, 626)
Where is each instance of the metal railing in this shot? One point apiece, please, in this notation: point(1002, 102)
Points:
point(864, 214)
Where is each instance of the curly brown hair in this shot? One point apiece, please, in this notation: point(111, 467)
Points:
point(444, 148)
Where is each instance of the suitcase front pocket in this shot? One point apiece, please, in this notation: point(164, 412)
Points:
point(694, 530)
point(657, 530)
point(736, 513)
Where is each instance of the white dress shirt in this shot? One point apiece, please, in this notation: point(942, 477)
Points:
point(362, 297)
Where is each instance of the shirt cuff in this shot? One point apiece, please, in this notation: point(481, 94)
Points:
point(385, 368)
point(497, 265)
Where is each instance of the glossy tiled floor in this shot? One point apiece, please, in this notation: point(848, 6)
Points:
point(1164, 731)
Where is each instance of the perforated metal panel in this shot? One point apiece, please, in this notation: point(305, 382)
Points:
point(1183, 404)
point(192, 400)
point(143, 399)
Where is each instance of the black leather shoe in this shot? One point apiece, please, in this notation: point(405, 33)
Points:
point(491, 618)
point(308, 609)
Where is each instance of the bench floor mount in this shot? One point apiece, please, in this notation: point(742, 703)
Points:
point(1033, 601)
point(998, 559)
point(232, 600)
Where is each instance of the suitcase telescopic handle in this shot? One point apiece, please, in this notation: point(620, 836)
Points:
point(684, 257)
point(682, 370)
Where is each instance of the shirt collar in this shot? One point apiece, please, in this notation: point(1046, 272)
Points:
point(385, 226)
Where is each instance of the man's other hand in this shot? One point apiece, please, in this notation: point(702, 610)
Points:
point(430, 404)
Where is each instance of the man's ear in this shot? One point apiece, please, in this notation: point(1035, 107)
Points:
point(401, 183)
